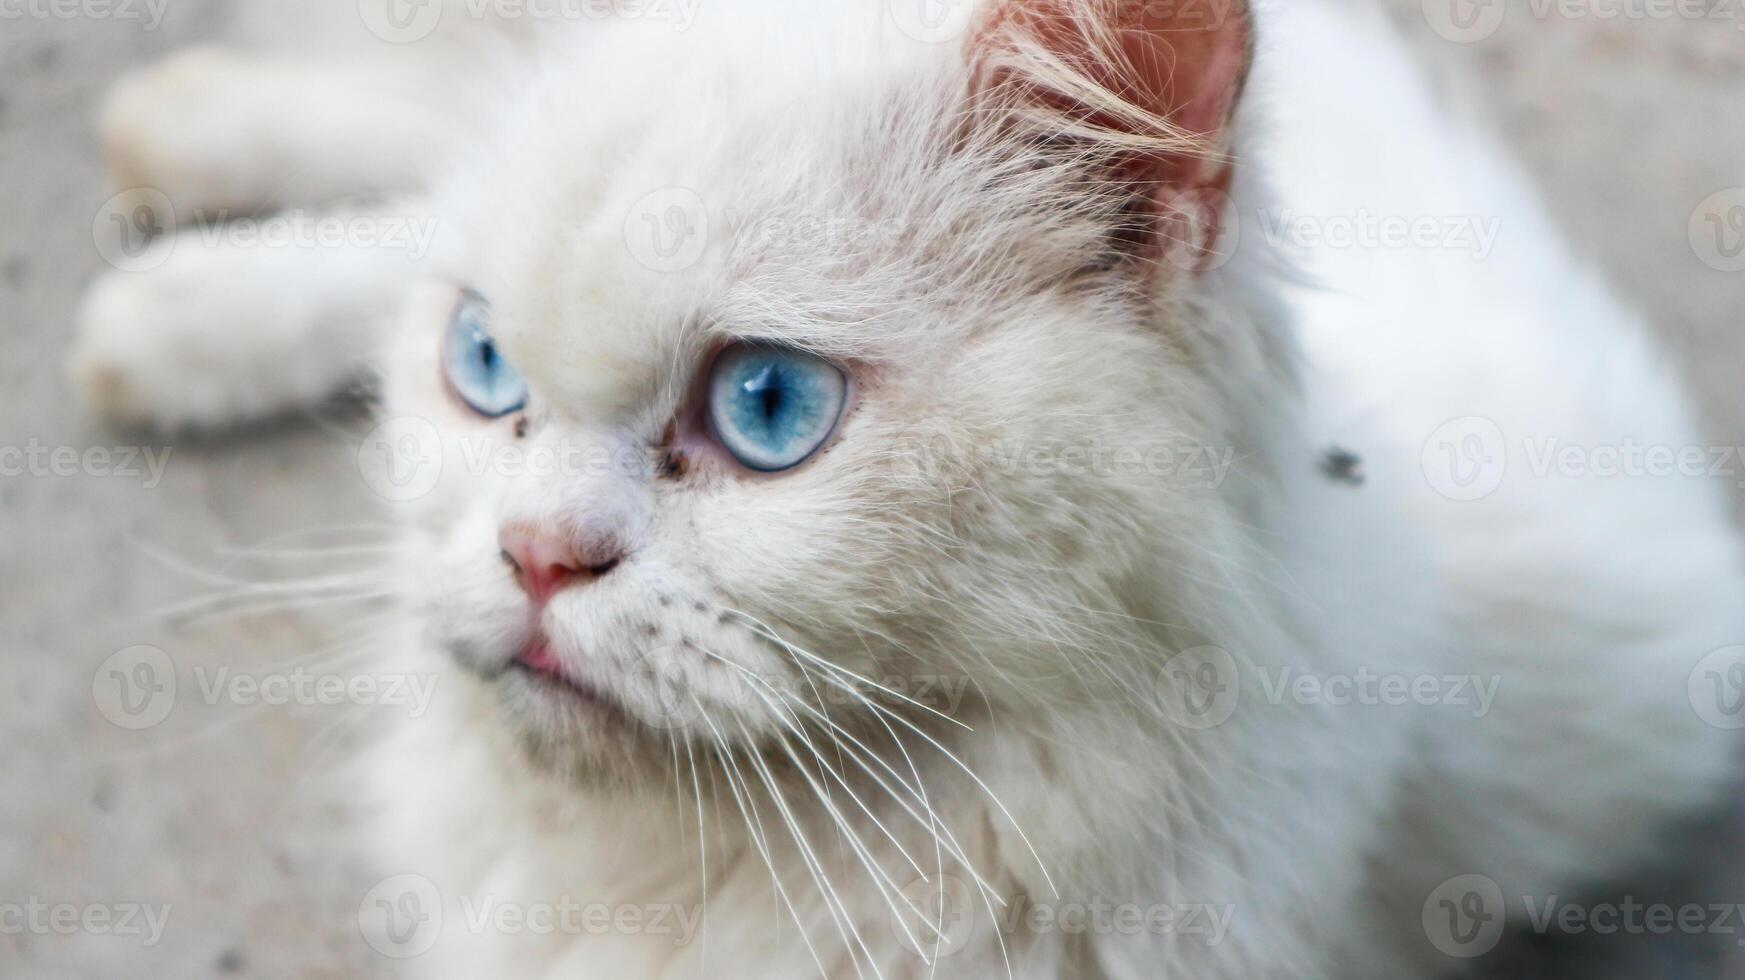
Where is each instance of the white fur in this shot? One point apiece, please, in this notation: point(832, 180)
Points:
point(1322, 828)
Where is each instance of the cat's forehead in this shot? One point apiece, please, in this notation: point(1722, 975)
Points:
point(712, 201)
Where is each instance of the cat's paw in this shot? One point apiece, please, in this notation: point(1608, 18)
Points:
point(138, 358)
point(216, 335)
point(222, 134)
point(177, 127)
point(189, 346)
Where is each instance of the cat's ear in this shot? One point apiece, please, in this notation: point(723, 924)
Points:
point(1142, 91)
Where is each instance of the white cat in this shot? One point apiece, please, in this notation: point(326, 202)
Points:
point(888, 522)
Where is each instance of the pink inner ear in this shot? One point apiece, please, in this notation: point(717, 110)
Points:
point(1179, 62)
point(1210, 77)
point(1158, 80)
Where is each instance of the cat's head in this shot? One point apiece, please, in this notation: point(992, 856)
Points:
point(829, 365)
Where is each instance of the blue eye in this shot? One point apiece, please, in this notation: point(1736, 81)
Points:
point(475, 370)
point(772, 407)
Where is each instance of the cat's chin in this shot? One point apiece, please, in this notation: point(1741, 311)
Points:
point(577, 733)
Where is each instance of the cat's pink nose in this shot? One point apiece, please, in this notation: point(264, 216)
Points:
point(547, 563)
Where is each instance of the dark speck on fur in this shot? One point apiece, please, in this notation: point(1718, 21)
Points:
point(1343, 466)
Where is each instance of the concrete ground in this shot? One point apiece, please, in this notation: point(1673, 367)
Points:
point(1630, 124)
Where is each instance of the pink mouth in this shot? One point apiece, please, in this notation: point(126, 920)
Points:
point(539, 659)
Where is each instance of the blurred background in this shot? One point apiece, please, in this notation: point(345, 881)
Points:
point(1627, 113)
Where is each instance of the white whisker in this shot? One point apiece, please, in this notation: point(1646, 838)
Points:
point(832, 899)
point(759, 839)
point(771, 634)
